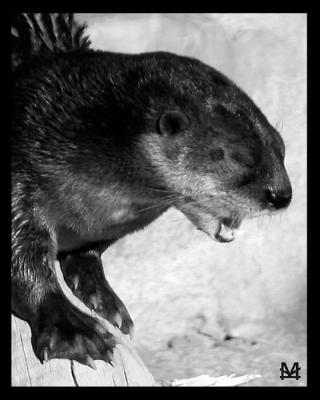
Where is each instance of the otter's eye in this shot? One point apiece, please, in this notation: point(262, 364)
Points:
point(244, 118)
point(241, 114)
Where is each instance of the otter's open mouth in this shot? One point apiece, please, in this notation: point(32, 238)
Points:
point(226, 230)
point(221, 229)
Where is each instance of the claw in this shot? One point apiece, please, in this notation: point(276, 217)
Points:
point(117, 320)
point(109, 358)
point(75, 282)
point(94, 302)
point(90, 362)
point(45, 355)
point(127, 328)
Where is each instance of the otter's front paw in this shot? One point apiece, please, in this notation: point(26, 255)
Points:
point(60, 330)
point(84, 275)
point(104, 301)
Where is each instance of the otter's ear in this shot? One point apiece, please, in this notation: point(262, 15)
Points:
point(172, 122)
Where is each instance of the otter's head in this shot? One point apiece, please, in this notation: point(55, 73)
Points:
point(215, 151)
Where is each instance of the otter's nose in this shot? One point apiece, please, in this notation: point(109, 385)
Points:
point(278, 198)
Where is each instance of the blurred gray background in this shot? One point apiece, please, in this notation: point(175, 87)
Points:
point(201, 307)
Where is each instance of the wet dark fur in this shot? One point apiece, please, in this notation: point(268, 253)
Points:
point(103, 144)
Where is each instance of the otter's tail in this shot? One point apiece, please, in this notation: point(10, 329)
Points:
point(34, 33)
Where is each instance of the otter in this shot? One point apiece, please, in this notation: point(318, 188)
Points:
point(104, 143)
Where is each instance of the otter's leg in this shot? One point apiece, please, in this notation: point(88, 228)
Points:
point(83, 272)
point(59, 329)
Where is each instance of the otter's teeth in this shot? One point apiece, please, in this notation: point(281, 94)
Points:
point(224, 233)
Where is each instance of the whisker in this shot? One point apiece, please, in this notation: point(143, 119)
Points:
point(158, 190)
point(235, 218)
point(214, 203)
point(160, 204)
